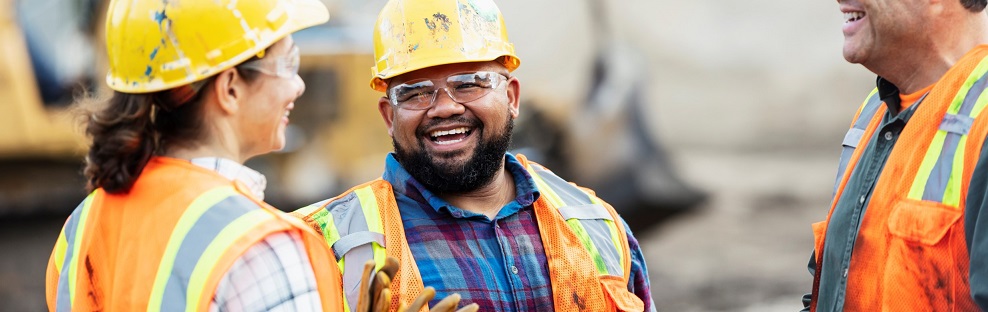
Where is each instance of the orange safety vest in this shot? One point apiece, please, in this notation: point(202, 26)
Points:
point(167, 243)
point(589, 269)
point(910, 254)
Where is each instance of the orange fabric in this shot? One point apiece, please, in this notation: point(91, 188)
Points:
point(911, 255)
point(575, 281)
point(906, 100)
point(126, 235)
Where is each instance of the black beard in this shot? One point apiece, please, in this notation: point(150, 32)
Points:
point(478, 171)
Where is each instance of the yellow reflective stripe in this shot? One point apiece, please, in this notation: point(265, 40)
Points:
point(60, 245)
point(80, 231)
point(581, 233)
point(980, 70)
point(545, 190)
point(574, 224)
point(925, 168)
point(612, 226)
point(368, 203)
point(185, 223)
point(204, 267)
point(952, 194)
point(980, 104)
point(307, 210)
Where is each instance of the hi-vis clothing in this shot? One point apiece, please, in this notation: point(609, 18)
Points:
point(582, 242)
point(167, 243)
point(894, 240)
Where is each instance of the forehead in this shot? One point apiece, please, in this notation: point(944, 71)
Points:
point(441, 71)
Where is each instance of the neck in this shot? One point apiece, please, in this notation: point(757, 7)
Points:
point(488, 199)
point(914, 69)
point(219, 142)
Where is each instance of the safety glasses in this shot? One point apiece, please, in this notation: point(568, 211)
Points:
point(462, 88)
point(285, 66)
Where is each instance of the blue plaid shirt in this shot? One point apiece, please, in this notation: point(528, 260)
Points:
point(504, 257)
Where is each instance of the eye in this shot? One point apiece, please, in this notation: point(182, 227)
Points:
point(410, 95)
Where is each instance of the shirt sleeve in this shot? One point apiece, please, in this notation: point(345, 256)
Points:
point(811, 266)
point(274, 274)
point(976, 230)
point(638, 283)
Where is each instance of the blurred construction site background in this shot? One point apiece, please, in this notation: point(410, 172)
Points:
point(713, 127)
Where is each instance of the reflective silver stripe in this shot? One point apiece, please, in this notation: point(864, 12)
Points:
point(354, 240)
point(600, 234)
point(348, 217)
point(63, 302)
point(585, 212)
point(593, 218)
point(854, 135)
point(956, 126)
point(202, 233)
point(569, 194)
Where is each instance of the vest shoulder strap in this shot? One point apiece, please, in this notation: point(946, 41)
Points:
point(351, 225)
point(854, 135)
point(585, 214)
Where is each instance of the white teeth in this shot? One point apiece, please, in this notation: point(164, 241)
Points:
point(436, 134)
point(853, 16)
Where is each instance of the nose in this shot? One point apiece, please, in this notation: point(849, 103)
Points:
point(301, 84)
point(444, 106)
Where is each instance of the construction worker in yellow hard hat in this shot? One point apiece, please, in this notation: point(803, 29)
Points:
point(174, 220)
point(459, 213)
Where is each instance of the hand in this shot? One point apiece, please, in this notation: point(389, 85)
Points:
point(376, 295)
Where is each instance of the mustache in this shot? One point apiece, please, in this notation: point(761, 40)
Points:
point(435, 122)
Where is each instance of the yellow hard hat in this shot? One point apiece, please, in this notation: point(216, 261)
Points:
point(156, 45)
point(415, 34)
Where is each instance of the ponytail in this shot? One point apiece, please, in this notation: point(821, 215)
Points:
point(132, 128)
point(123, 140)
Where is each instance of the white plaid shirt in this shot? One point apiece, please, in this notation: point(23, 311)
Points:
point(273, 275)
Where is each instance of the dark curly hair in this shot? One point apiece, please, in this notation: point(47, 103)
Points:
point(974, 5)
point(130, 128)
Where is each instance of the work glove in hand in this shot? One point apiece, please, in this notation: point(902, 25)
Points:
point(375, 292)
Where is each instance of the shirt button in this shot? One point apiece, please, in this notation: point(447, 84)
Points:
point(861, 200)
point(514, 270)
point(845, 272)
point(888, 136)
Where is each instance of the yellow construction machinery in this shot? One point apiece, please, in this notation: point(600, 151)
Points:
point(593, 133)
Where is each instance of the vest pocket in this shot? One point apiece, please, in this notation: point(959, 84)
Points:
point(618, 295)
point(919, 273)
point(922, 222)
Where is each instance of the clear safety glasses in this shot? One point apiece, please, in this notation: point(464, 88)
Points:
point(285, 66)
point(462, 88)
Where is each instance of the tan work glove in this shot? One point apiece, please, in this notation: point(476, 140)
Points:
point(376, 295)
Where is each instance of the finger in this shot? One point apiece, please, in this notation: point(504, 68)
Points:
point(473, 307)
point(401, 307)
point(448, 304)
point(364, 297)
point(383, 301)
point(390, 267)
point(423, 299)
point(380, 282)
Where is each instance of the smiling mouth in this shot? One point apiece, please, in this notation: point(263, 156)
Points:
point(853, 16)
point(450, 136)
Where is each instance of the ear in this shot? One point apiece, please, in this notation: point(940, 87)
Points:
point(387, 113)
point(229, 89)
point(514, 89)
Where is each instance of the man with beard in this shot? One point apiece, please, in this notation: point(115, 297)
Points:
point(905, 232)
point(459, 213)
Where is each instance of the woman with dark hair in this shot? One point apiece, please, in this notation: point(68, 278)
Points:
point(174, 220)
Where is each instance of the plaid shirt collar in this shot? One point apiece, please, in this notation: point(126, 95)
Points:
point(255, 181)
point(403, 183)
